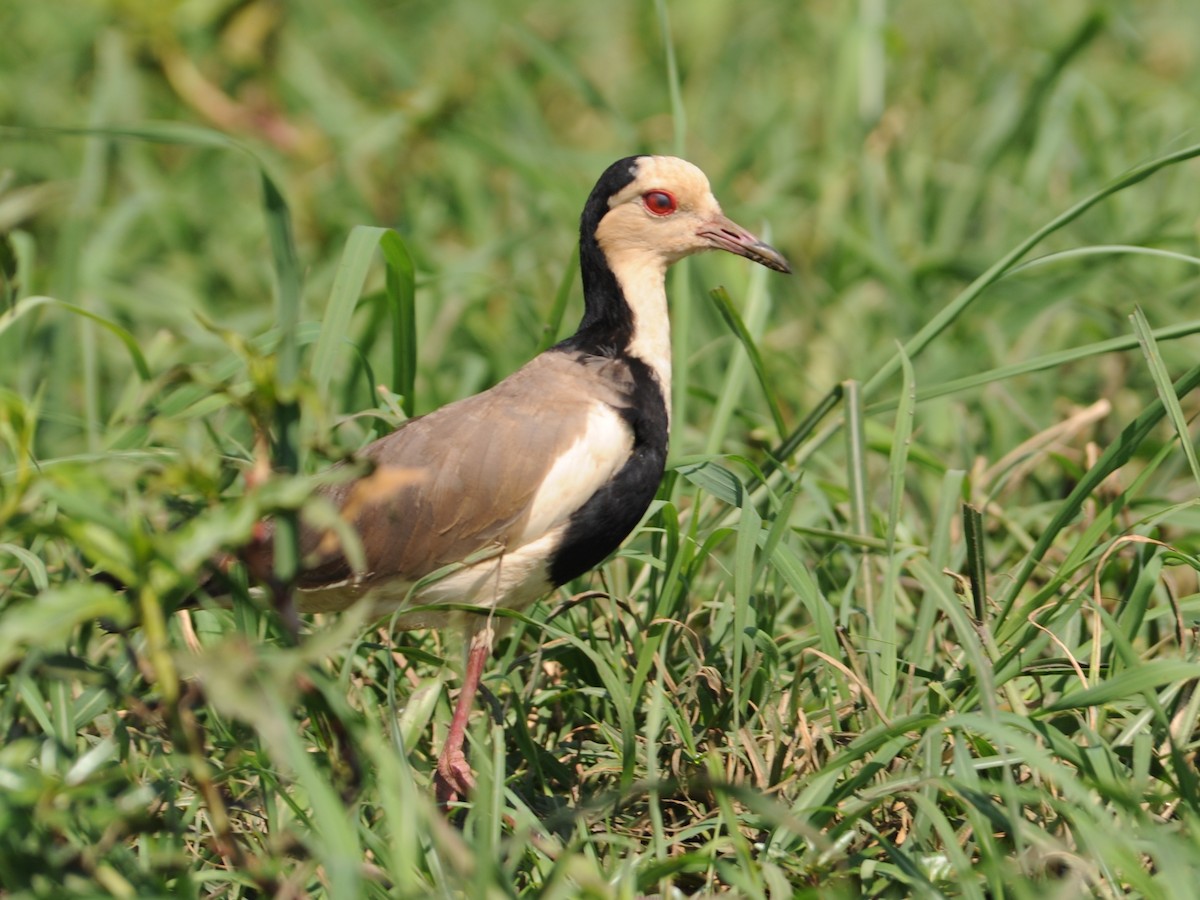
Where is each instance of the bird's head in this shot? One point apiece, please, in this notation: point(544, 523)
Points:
point(659, 209)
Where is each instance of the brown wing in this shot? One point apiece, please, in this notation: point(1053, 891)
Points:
point(462, 479)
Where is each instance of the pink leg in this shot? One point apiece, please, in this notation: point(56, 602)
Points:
point(454, 778)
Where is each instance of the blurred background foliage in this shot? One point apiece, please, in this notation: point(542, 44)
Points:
point(894, 151)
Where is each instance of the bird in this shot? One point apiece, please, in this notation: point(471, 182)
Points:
point(495, 500)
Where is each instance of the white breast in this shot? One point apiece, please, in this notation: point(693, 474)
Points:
point(587, 465)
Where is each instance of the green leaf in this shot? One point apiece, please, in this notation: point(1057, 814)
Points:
point(31, 561)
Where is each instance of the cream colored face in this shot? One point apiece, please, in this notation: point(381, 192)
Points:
point(662, 212)
point(668, 212)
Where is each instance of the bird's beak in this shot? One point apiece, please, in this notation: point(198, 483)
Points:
point(725, 234)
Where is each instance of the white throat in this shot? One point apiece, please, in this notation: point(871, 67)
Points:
point(643, 282)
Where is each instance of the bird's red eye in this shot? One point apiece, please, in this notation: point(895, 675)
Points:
point(659, 202)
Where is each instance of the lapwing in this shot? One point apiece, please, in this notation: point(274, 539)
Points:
point(515, 491)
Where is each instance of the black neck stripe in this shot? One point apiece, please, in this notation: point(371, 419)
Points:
point(607, 323)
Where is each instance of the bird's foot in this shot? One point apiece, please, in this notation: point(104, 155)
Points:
point(453, 779)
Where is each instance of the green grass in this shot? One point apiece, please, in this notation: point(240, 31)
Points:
point(915, 611)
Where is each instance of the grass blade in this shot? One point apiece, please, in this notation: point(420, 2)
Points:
point(1150, 675)
point(918, 342)
point(884, 626)
point(353, 267)
point(856, 485)
point(352, 271)
point(1039, 364)
point(725, 306)
point(976, 562)
point(26, 304)
point(1116, 455)
point(561, 297)
point(402, 297)
point(1162, 383)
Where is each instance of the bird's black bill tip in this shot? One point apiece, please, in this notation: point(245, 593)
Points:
point(766, 255)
